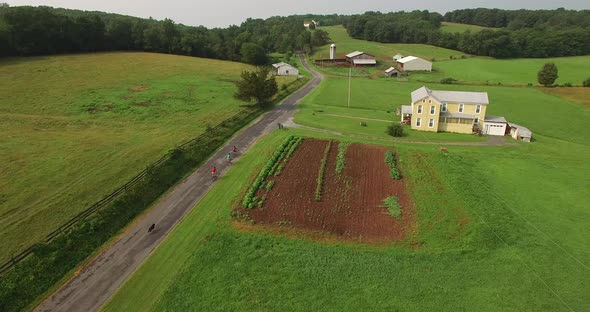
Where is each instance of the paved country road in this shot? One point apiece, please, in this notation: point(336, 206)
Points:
point(99, 279)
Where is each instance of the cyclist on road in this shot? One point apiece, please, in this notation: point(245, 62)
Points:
point(213, 171)
point(228, 157)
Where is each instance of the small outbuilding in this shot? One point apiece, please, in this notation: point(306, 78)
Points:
point(392, 72)
point(284, 69)
point(493, 125)
point(361, 58)
point(406, 114)
point(397, 57)
point(413, 63)
point(519, 132)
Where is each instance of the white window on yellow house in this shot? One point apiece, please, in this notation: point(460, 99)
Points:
point(478, 109)
point(419, 109)
point(444, 107)
point(461, 107)
point(418, 122)
point(432, 109)
point(431, 123)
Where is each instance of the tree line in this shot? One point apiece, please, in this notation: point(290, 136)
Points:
point(26, 31)
point(547, 33)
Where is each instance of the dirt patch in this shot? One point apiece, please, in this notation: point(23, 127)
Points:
point(351, 205)
point(580, 95)
point(102, 108)
point(141, 104)
point(139, 89)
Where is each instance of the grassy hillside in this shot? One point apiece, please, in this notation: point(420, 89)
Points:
point(383, 51)
point(574, 70)
point(471, 70)
point(76, 127)
point(493, 242)
point(459, 28)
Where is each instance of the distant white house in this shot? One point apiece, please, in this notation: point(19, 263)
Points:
point(413, 63)
point(397, 57)
point(307, 24)
point(284, 69)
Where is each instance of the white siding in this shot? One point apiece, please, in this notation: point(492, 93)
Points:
point(491, 128)
point(418, 64)
point(287, 71)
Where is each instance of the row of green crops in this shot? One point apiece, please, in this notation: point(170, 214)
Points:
point(390, 160)
point(320, 179)
point(393, 207)
point(283, 151)
point(340, 159)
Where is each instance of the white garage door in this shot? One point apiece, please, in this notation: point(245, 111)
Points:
point(494, 129)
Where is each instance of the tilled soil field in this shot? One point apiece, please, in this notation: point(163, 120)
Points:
point(351, 203)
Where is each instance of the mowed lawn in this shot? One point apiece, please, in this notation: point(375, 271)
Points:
point(374, 102)
point(482, 70)
point(459, 28)
point(491, 235)
point(76, 127)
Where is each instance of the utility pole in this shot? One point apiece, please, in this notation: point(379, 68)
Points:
point(349, 80)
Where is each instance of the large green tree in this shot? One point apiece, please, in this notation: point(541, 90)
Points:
point(253, 54)
point(547, 75)
point(258, 85)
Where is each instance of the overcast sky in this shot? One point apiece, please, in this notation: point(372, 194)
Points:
point(221, 13)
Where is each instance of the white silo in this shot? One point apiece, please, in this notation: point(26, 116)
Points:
point(333, 52)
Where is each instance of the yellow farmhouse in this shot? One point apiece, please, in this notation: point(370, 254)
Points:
point(451, 111)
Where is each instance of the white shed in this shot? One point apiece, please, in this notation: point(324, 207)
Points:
point(519, 132)
point(413, 63)
point(397, 57)
point(284, 69)
point(494, 126)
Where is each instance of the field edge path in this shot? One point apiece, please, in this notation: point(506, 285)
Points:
point(99, 279)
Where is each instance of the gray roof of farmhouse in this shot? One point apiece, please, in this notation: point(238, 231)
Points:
point(495, 119)
point(406, 109)
point(281, 64)
point(451, 96)
point(522, 131)
point(390, 69)
point(355, 53)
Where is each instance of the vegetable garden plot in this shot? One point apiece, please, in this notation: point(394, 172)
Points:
point(351, 204)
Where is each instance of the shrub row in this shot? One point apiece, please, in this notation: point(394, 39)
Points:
point(390, 160)
point(393, 206)
point(52, 260)
point(341, 158)
point(271, 165)
point(320, 179)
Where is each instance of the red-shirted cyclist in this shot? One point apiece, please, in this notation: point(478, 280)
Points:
point(213, 171)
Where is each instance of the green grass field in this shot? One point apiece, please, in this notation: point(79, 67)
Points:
point(490, 235)
point(459, 28)
point(480, 70)
point(382, 51)
point(497, 228)
point(76, 127)
point(471, 70)
point(375, 101)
